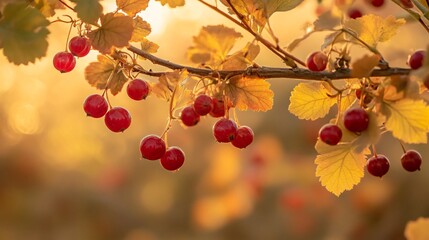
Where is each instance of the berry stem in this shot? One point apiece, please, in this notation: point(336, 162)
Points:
point(374, 150)
point(402, 146)
point(68, 34)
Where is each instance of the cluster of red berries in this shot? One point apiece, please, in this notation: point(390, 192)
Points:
point(154, 148)
point(357, 120)
point(66, 61)
point(357, 13)
point(224, 130)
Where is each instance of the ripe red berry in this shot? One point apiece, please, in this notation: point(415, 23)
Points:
point(64, 62)
point(79, 46)
point(377, 3)
point(152, 147)
point(138, 89)
point(415, 60)
point(367, 99)
point(117, 119)
point(411, 160)
point(243, 137)
point(407, 3)
point(173, 158)
point(356, 120)
point(354, 13)
point(203, 104)
point(218, 108)
point(378, 165)
point(224, 130)
point(317, 61)
point(189, 117)
point(95, 106)
point(330, 134)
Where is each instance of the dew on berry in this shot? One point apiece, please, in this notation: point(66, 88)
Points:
point(152, 147)
point(117, 119)
point(95, 106)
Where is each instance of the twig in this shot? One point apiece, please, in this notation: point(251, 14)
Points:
point(65, 4)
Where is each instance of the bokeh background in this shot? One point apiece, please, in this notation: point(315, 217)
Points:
point(66, 176)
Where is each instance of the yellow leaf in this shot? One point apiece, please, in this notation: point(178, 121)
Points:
point(172, 3)
point(310, 101)
point(149, 46)
point(418, 229)
point(250, 93)
point(166, 84)
point(363, 67)
point(241, 59)
point(132, 7)
point(347, 101)
point(212, 45)
point(115, 31)
point(339, 167)
point(98, 73)
point(141, 30)
point(407, 119)
point(373, 29)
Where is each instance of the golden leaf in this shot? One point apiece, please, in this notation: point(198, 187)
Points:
point(149, 46)
point(141, 30)
point(418, 229)
point(98, 73)
point(363, 67)
point(310, 101)
point(407, 119)
point(373, 29)
point(115, 31)
point(172, 3)
point(167, 83)
point(212, 45)
point(132, 7)
point(241, 59)
point(250, 93)
point(347, 101)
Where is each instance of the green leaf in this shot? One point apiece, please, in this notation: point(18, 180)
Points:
point(23, 33)
point(88, 10)
point(272, 6)
point(98, 73)
point(47, 7)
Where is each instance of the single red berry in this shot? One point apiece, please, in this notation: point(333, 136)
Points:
point(218, 108)
point(407, 3)
point(152, 147)
point(64, 62)
point(377, 3)
point(203, 104)
point(189, 117)
point(173, 158)
point(138, 89)
point(415, 60)
point(356, 119)
point(411, 160)
point(378, 165)
point(117, 119)
point(354, 13)
point(367, 99)
point(95, 106)
point(79, 46)
point(317, 61)
point(330, 134)
point(243, 137)
point(224, 130)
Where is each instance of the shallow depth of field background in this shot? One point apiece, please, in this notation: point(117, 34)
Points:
point(66, 176)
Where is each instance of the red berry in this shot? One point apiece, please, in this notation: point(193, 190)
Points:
point(330, 134)
point(415, 60)
point(243, 137)
point(173, 158)
point(356, 120)
point(367, 99)
point(411, 160)
point(79, 46)
point(95, 106)
point(224, 130)
point(152, 147)
point(218, 108)
point(117, 119)
point(64, 62)
point(203, 104)
point(378, 165)
point(377, 3)
point(354, 13)
point(317, 61)
point(138, 89)
point(189, 117)
point(407, 3)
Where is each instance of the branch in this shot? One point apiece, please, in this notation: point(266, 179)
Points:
point(263, 72)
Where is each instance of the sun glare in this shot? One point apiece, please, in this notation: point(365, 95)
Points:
point(157, 16)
